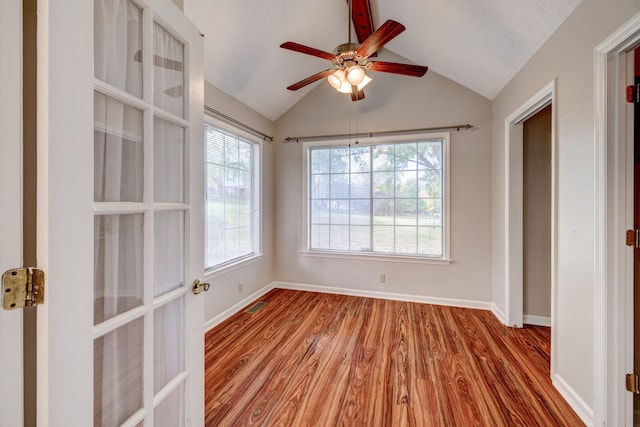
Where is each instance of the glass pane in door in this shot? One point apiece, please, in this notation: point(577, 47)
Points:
point(118, 374)
point(168, 161)
point(168, 61)
point(170, 412)
point(168, 252)
point(118, 275)
point(117, 44)
point(168, 343)
point(118, 161)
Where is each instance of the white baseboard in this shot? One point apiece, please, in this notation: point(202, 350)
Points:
point(584, 411)
point(498, 313)
point(215, 321)
point(482, 305)
point(530, 319)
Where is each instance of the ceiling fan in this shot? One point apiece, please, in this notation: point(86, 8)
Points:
point(351, 60)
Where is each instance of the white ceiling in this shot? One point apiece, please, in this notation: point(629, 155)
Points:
point(480, 44)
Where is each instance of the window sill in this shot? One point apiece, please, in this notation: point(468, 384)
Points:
point(376, 257)
point(219, 271)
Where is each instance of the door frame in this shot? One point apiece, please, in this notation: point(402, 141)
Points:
point(613, 214)
point(513, 203)
point(11, 323)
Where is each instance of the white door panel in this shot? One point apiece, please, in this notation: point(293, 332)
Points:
point(11, 361)
point(120, 214)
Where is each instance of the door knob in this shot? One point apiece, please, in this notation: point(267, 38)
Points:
point(198, 286)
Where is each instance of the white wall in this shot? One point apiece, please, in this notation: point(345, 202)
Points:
point(255, 276)
point(394, 102)
point(568, 56)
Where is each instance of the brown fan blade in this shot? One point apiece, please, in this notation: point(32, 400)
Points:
point(388, 31)
point(356, 95)
point(297, 47)
point(404, 69)
point(361, 17)
point(311, 79)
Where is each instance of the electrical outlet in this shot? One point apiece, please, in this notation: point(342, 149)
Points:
point(240, 288)
point(382, 278)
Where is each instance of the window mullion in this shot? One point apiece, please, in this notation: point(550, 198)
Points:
point(349, 198)
point(225, 228)
point(371, 199)
point(395, 197)
point(416, 206)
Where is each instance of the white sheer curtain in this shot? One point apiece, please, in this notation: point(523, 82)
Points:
point(118, 44)
point(169, 71)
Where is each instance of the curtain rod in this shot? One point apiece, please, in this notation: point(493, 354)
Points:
point(238, 123)
point(379, 133)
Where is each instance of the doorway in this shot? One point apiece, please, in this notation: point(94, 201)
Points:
point(513, 201)
point(536, 230)
point(613, 214)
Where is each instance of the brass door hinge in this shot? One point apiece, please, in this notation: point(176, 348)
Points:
point(633, 238)
point(22, 287)
point(633, 383)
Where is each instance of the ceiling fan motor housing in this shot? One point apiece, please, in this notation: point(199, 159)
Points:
point(346, 56)
point(345, 47)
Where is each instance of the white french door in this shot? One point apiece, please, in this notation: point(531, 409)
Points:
point(11, 361)
point(120, 214)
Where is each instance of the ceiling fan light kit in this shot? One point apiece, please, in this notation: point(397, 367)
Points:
point(346, 87)
point(343, 81)
point(351, 60)
point(336, 79)
point(355, 75)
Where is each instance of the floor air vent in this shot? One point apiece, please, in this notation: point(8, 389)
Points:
point(255, 307)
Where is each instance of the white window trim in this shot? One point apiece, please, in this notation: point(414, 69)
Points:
point(259, 253)
point(227, 268)
point(445, 259)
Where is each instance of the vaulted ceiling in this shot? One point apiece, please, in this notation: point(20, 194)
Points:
point(480, 44)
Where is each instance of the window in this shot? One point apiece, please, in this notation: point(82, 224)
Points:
point(231, 198)
point(387, 198)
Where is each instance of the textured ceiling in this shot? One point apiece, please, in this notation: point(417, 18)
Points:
point(480, 44)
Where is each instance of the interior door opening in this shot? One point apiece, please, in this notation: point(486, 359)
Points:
point(536, 240)
point(514, 215)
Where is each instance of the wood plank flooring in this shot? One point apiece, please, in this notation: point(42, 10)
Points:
point(313, 359)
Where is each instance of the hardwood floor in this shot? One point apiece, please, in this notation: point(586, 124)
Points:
point(312, 359)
